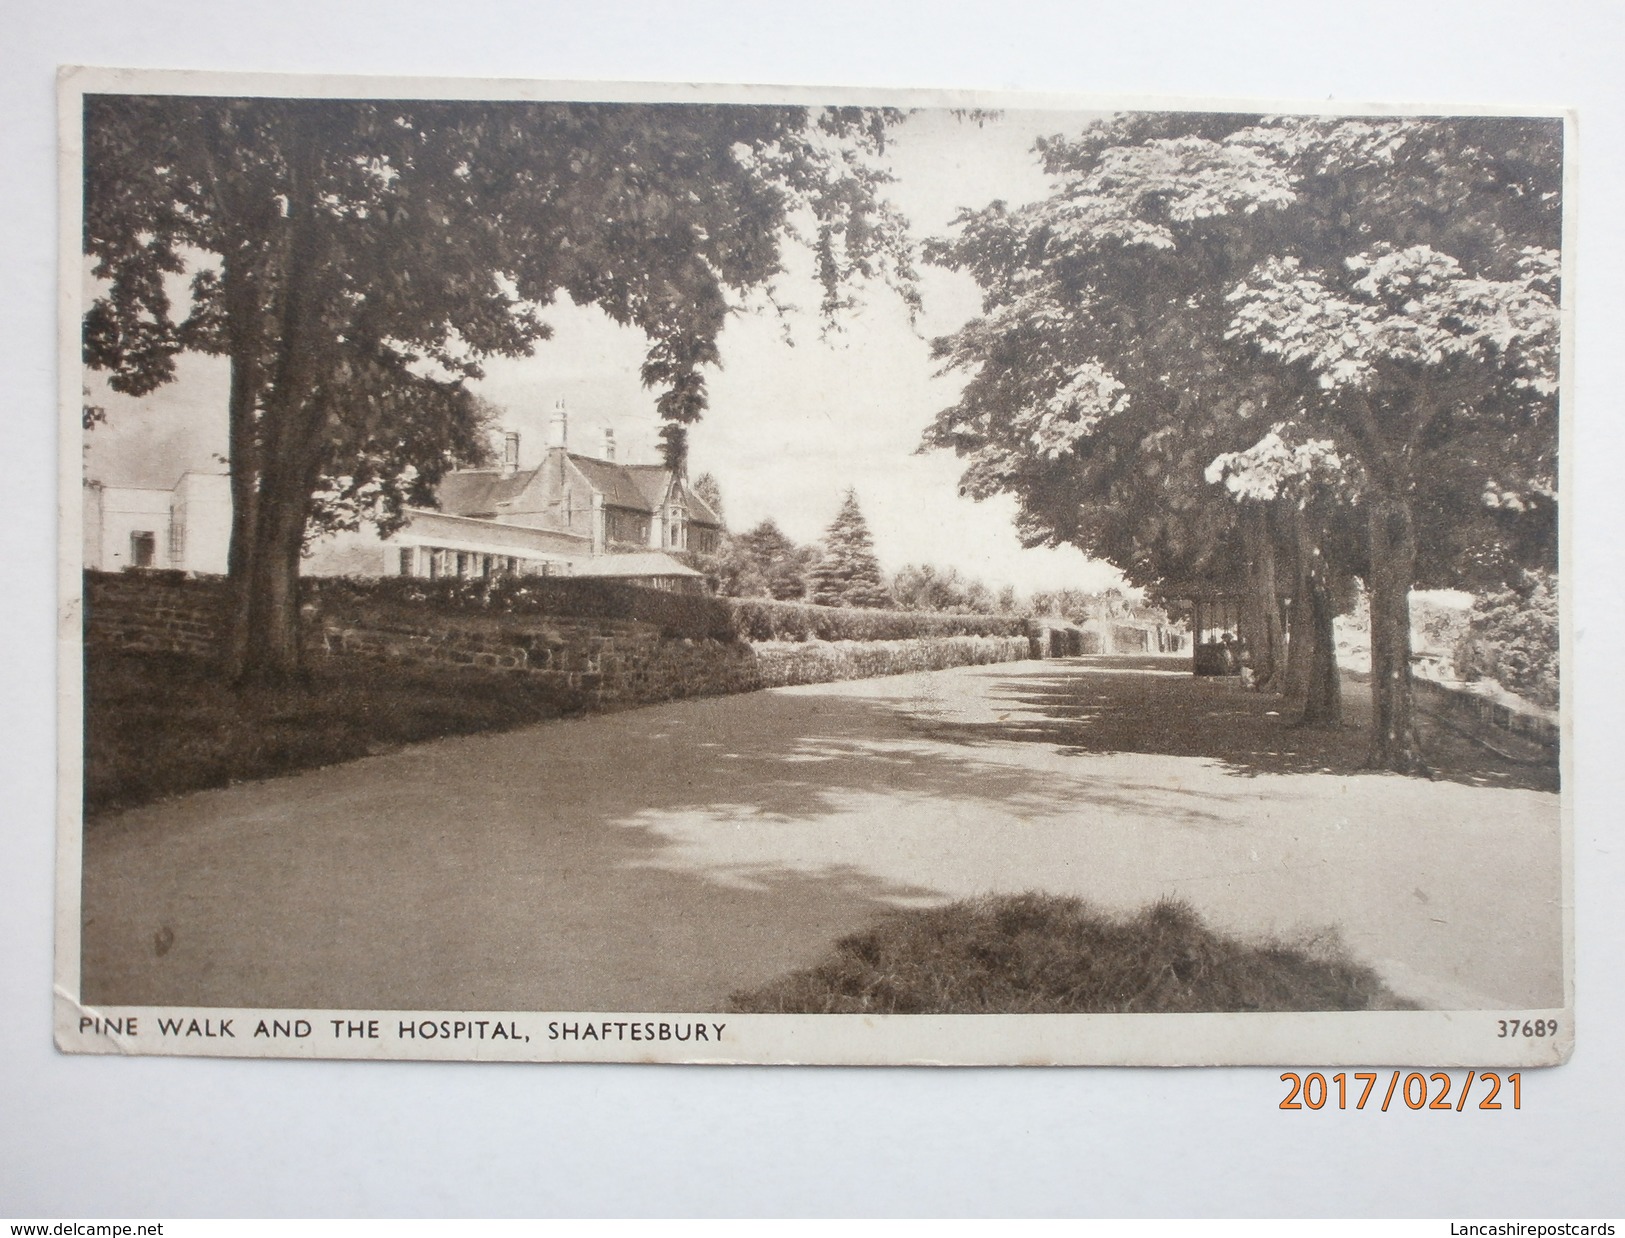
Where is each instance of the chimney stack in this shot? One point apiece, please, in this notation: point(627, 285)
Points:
point(510, 453)
point(609, 444)
point(558, 429)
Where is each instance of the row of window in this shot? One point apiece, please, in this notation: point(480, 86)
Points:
point(436, 563)
point(628, 528)
point(421, 560)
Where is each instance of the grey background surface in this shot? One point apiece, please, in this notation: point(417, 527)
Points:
point(85, 1137)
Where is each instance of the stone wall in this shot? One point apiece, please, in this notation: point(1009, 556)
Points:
point(625, 662)
point(154, 612)
point(608, 661)
point(1537, 736)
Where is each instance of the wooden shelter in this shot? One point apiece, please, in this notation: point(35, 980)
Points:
point(1216, 610)
point(1216, 635)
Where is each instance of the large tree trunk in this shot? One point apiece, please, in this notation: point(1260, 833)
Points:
point(1323, 697)
point(1295, 675)
point(291, 445)
point(1261, 612)
point(1311, 675)
point(244, 344)
point(1299, 632)
point(271, 639)
point(1392, 548)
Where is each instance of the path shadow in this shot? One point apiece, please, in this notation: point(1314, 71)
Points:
point(1146, 705)
point(653, 859)
point(656, 859)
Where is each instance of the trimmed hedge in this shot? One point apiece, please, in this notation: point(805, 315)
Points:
point(675, 614)
point(763, 619)
point(695, 616)
point(782, 664)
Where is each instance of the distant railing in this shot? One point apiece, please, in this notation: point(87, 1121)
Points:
point(1482, 711)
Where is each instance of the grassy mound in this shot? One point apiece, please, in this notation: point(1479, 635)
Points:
point(1035, 953)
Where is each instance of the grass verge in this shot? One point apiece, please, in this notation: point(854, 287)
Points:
point(1034, 953)
point(160, 724)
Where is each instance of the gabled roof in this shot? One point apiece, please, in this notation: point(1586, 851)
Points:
point(651, 481)
point(641, 487)
point(700, 510)
point(615, 482)
point(476, 492)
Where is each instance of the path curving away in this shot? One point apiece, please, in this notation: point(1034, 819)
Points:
point(660, 858)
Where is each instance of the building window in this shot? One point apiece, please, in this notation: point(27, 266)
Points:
point(143, 549)
point(408, 560)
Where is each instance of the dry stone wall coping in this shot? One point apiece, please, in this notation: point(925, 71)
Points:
point(608, 661)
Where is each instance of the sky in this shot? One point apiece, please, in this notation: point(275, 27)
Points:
point(797, 414)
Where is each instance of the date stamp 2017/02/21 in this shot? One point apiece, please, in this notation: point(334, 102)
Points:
point(1357, 1090)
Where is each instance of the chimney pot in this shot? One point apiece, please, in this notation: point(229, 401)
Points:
point(559, 427)
point(609, 444)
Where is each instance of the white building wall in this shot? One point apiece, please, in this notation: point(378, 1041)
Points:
point(90, 528)
point(200, 523)
point(346, 553)
point(189, 525)
point(120, 513)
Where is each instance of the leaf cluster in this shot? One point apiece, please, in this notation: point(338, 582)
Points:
point(1212, 310)
point(400, 243)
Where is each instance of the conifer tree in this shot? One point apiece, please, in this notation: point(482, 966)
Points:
point(848, 574)
point(709, 492)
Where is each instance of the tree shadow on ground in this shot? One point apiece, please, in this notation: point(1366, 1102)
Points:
point(661, 858)
point(658, 858)
point(1145, 705)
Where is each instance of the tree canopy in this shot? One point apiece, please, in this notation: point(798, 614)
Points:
point(763, 562)
point(357, 260)
point(925, 586)
point(1216, 327)
point(709, 491)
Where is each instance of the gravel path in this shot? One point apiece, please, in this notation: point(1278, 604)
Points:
point(661, 858)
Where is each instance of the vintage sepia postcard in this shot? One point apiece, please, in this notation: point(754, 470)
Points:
point(599, 572)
